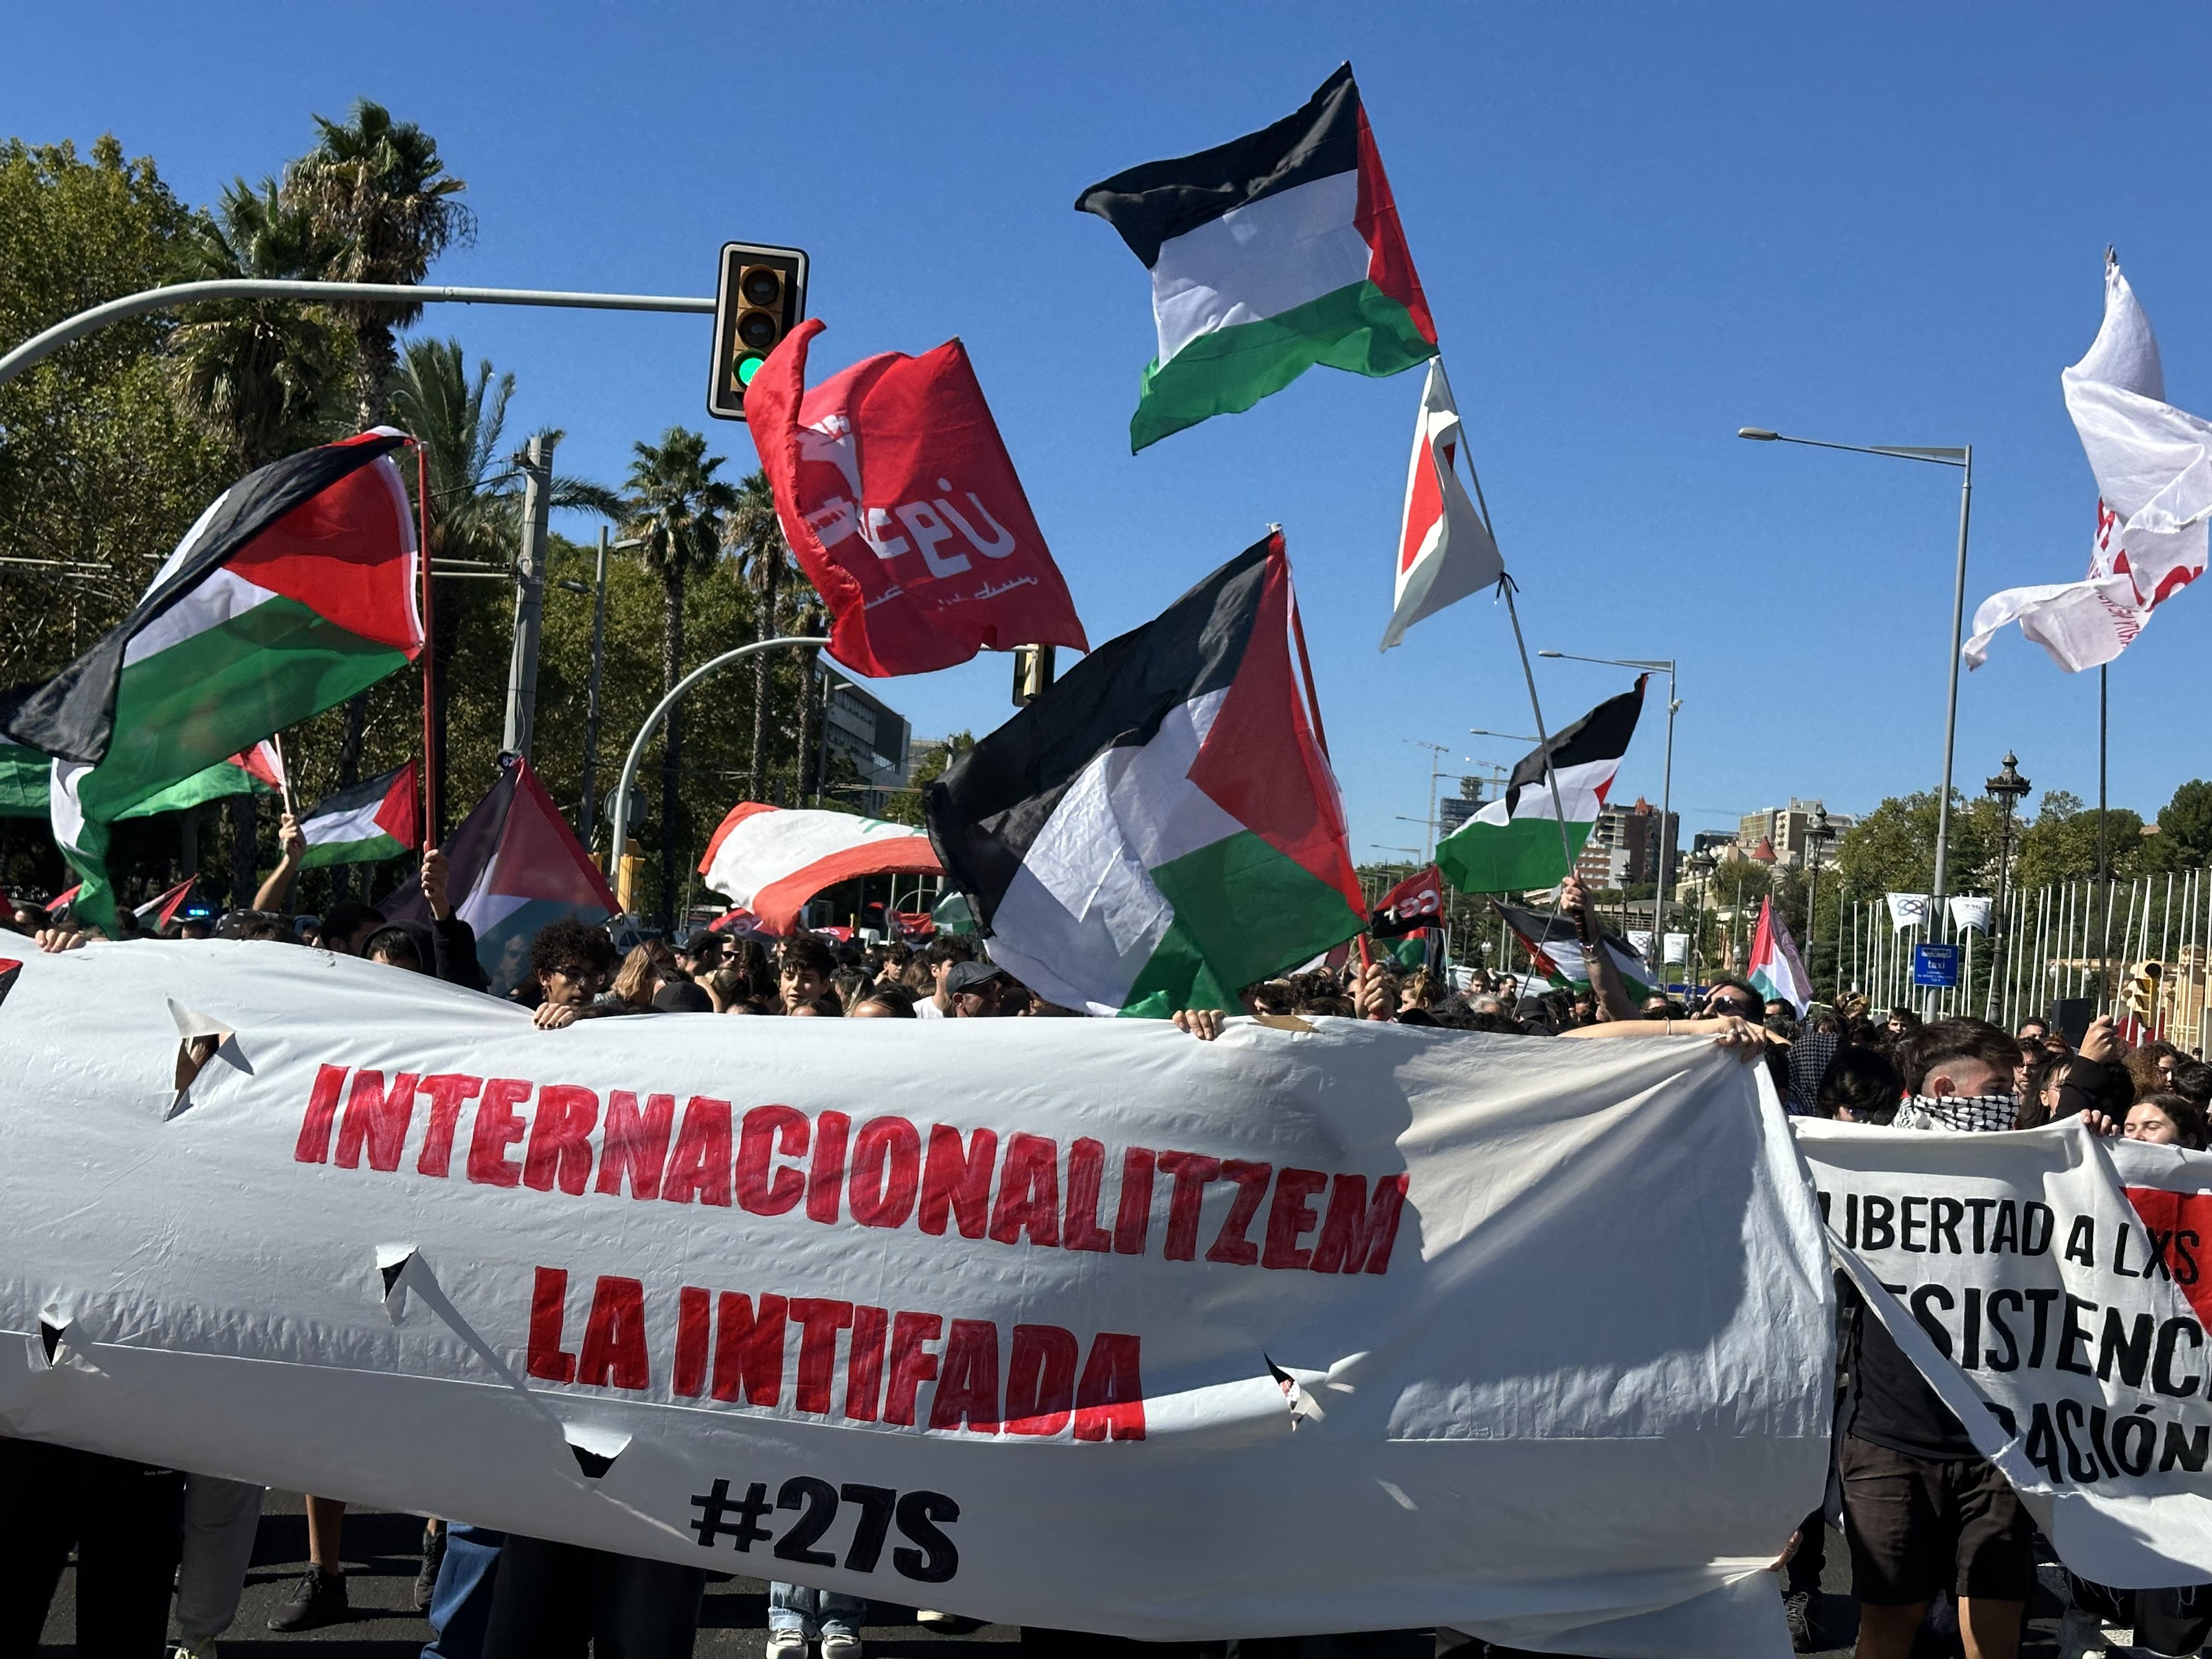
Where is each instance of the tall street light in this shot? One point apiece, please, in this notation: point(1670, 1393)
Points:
point(1652, 665)
point(1818, 835)
point(1963, 460)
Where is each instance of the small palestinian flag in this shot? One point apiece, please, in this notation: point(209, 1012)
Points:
point(1776, 968)
point(1160, 829)
point(381, 818)
point(161, 911)
point(1269, 254)
point(1512, 845)
point(1559, 955)
point(295, 590)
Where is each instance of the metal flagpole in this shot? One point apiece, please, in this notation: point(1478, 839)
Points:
point(2104, 865)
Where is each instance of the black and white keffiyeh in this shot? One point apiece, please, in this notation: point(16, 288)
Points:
point(1961, 1113)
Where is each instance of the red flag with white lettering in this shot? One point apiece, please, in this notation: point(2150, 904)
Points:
point(897, 495)
point(1416, 901)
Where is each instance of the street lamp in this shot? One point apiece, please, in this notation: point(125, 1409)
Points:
point(1963, 458)
point(1510, 737)
point(1818, 835)
point(1702, 866)
point(2007, 787)
point(1652, 665)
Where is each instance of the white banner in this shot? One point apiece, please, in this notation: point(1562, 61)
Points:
point(1970, 912)
point(1908, 910)
point(1678, 948)
point(990, 1315)
point(2049, 1285)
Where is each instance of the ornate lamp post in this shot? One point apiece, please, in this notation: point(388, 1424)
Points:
point(1818, 835)
point(2008, 787)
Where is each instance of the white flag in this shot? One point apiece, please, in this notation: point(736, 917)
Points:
point(1907, 910)
point(1972, 913)
point(1445, 553)
point(1678, 948)
point(2154, 468)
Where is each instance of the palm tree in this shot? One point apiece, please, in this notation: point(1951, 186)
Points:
point(256, 371)
point(475, 486)
point(756, 538)
point(382, 203)
point(676, 512)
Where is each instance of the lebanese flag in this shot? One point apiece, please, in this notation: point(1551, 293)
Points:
point(1160, 829)
point(771, 859)
point(294, 591)
point(1413, 903)
point(379, 818)
point(1445, 550)
point(897, 495)
point(1269, 254)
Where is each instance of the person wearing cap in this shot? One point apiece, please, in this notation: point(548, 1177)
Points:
point(972, 989)
point(699, 953)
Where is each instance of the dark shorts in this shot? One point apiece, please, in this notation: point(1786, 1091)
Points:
point(1918, 1525)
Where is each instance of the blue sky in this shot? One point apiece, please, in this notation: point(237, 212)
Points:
point(1639, 227)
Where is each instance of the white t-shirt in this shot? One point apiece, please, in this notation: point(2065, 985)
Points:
point(927, 1009)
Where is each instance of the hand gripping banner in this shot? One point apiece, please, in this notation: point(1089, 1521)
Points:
point(2050, 1286)
point(1075, 1324)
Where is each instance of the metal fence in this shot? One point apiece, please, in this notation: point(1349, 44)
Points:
point(2050, 942)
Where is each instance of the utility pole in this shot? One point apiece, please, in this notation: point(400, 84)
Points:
point(529, 595)
point(592, 696)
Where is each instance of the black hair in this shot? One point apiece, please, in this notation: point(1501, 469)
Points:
point(398, 946)
point(948, 947)
point(342, 922)
point(803, 950)
point(2192, 1080)
point(2184, 1114)
point(1923, 1050)
point(1860, 1081)
point(568, 946)
point(894, 999)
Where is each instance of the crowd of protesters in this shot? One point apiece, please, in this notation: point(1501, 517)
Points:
point(1944, 1557)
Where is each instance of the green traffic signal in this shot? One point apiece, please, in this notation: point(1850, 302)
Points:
point(747, 367)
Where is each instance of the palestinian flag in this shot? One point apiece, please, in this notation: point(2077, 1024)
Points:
point(1512, 845)
point(1161, 828)
point(513, 865)
point(1269, 254)
point(294, 591)
point(1558, 951)
point(161, 911)
point(381, 818)
point(1776, 968)
point(27, 783)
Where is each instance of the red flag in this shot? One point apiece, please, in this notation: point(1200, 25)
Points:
point(897, 495)
point(1413, 903)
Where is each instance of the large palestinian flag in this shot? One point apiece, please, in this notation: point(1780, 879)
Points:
point(1161, 828)
point(1556, 950)
point(379, 818)
point(512, 866)
point(1512, 845)
point(1269, 254)
point(294, 591)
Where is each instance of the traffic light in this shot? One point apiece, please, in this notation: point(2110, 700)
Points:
point(1033, 672)
point(759, 298)
point(2142, 992)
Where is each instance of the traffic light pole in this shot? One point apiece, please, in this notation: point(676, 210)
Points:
point(43, 345)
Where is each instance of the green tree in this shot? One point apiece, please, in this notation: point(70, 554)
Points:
point(474, 511)
point(756, 539)
point(2060, 844)
point(905, 806)
point(2183, 840)
point(675, 512)
point(382, 207)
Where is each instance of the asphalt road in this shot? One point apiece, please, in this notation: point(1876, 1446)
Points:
point(381, 1556)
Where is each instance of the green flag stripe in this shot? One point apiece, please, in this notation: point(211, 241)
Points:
point(1524, 855)
point(1243, 912)
point(1357, 328)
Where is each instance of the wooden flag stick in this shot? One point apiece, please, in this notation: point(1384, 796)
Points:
point(283, 774)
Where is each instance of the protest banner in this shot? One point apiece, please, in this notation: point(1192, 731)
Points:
point(2049, 1286)
point(1075, 1324)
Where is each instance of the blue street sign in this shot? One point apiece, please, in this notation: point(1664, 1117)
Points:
point(1935, 966)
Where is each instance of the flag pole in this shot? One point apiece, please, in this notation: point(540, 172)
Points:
point(283, 774)
point(429, 649)
point(1313, 708)
point(1505, 586)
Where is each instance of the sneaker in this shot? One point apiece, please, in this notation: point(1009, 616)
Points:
point(947, 1624)
point(318, 1598)
point(837, 1645)
point(786, 1644)
point(1797, 1609)
point(426, 1576)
